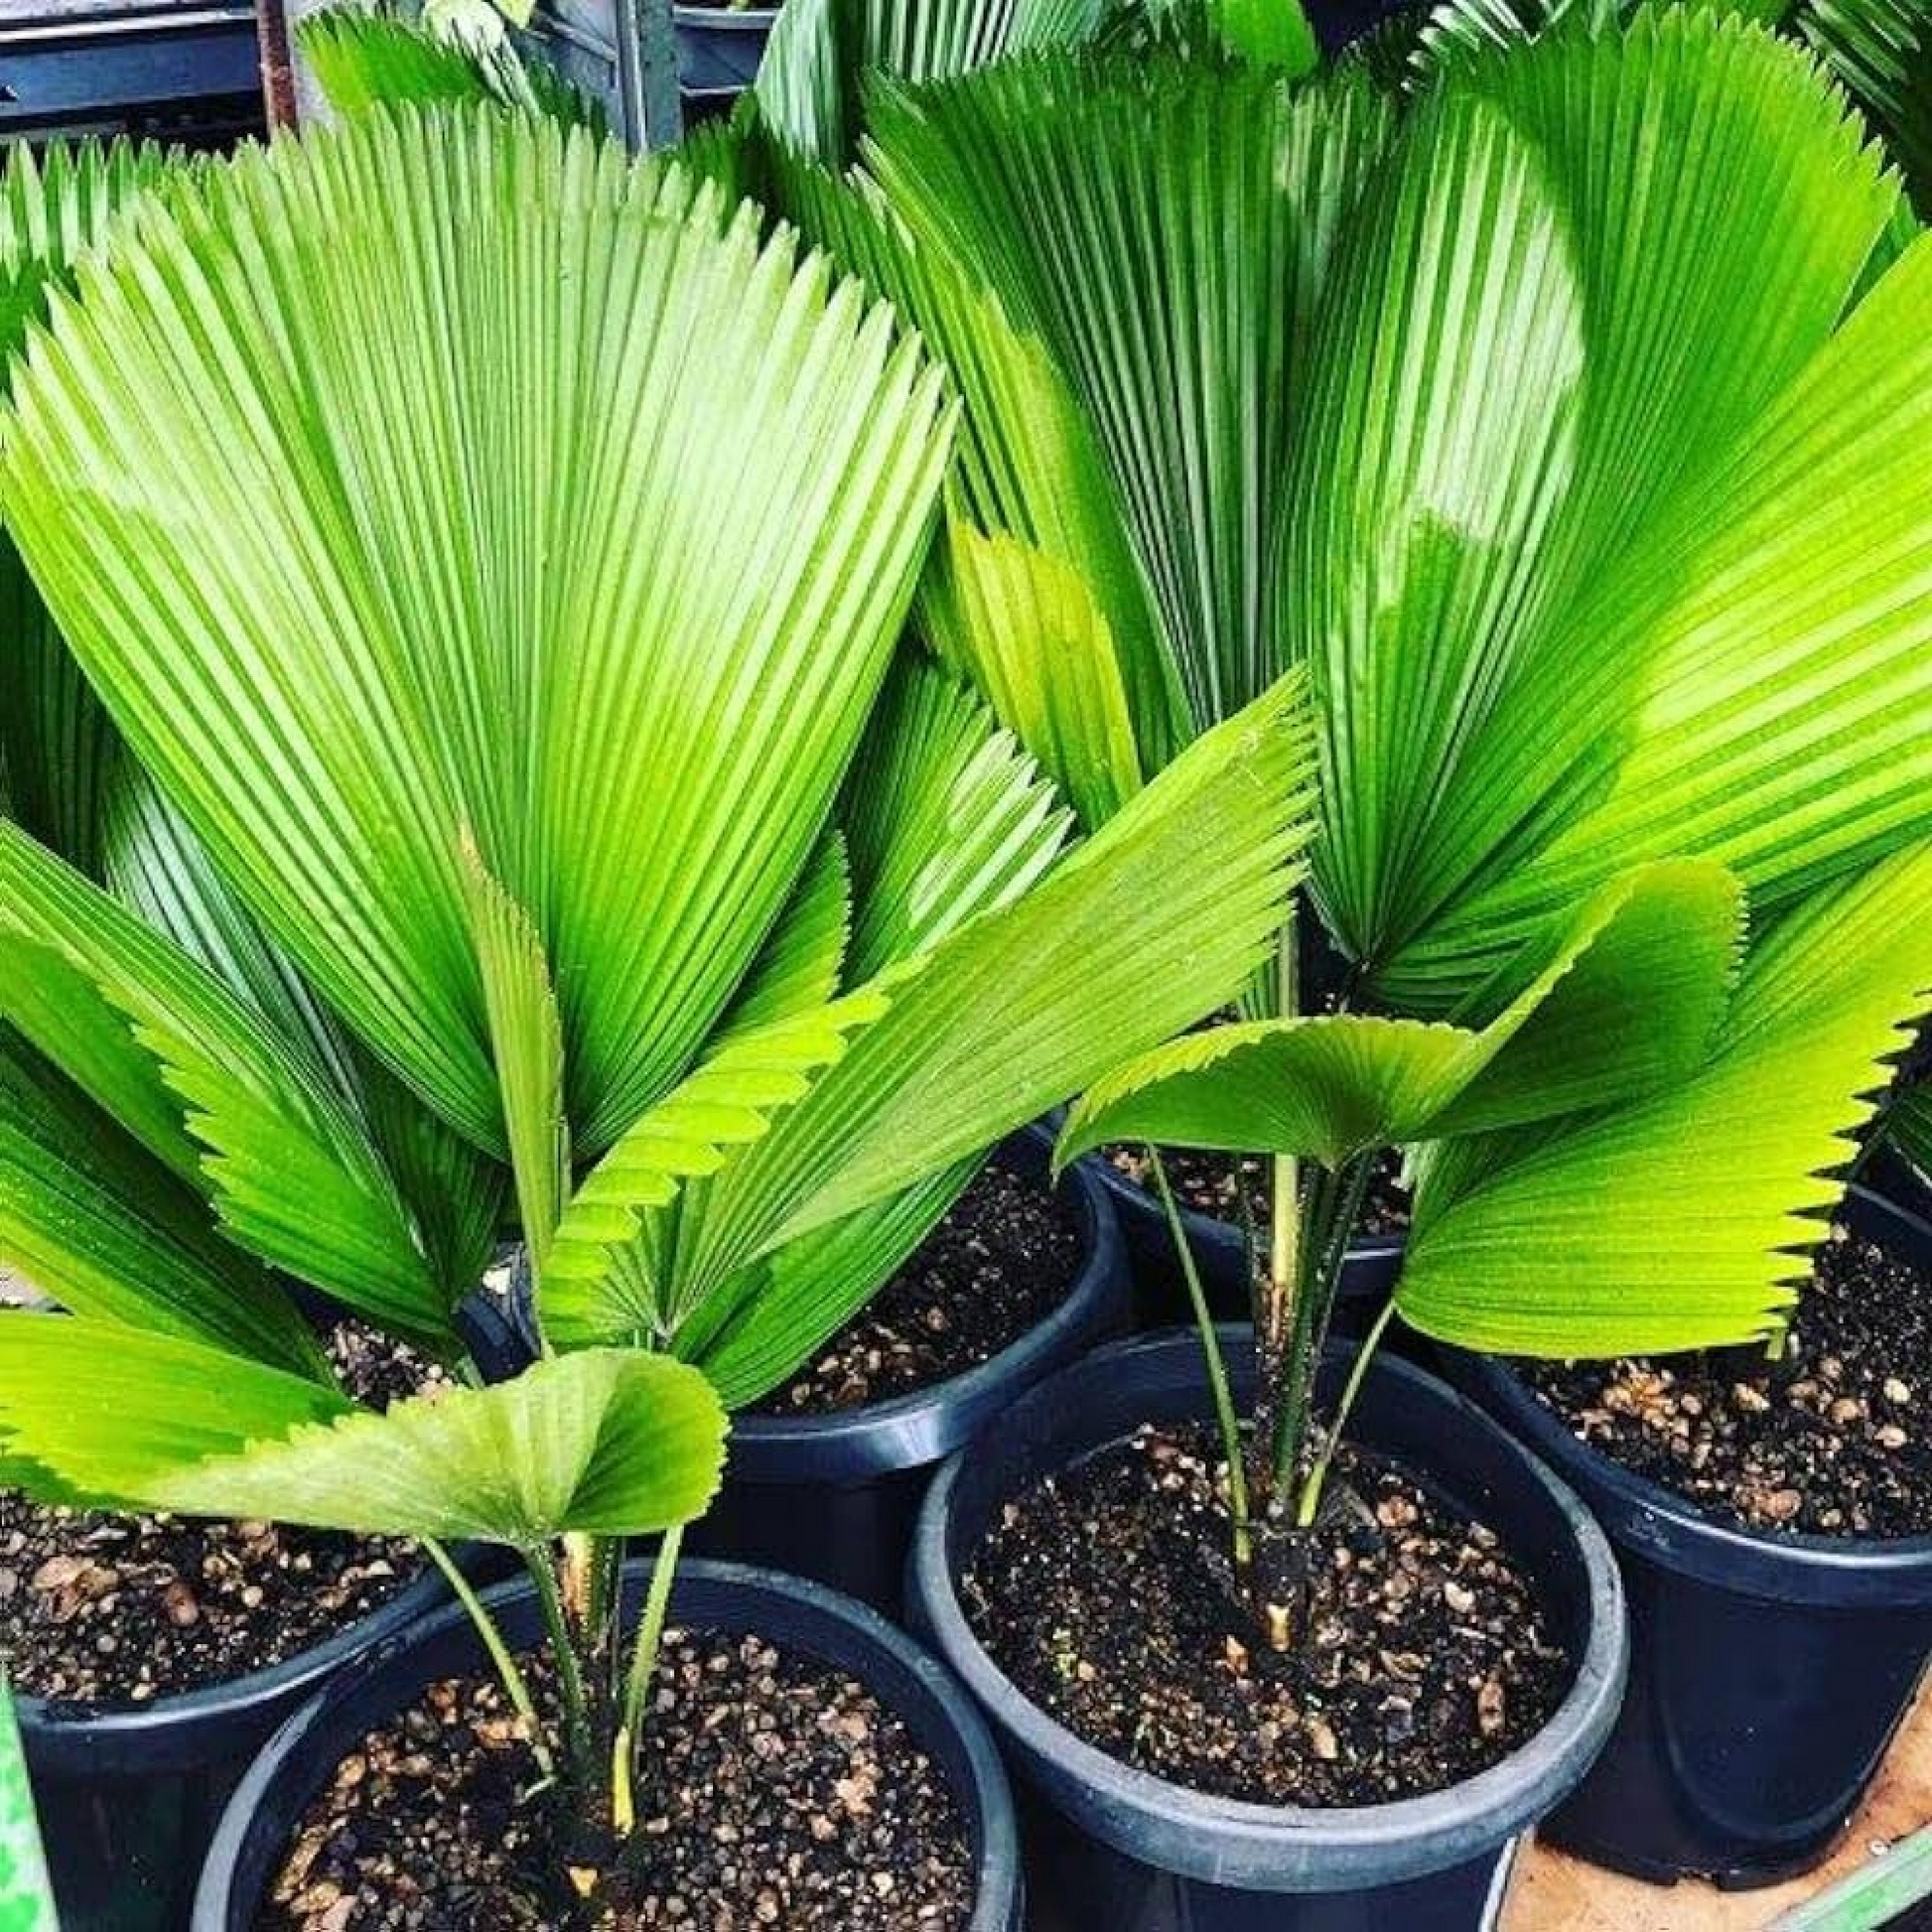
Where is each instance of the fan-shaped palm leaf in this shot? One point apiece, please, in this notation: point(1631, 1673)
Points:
point(1680, 1220)
point(438, 612)
point(821, 52)
point(98, 1224)
point(1629, 1001)
point(1166, 230)
point(617, 1444)
point(369, 57)
point(56, 748)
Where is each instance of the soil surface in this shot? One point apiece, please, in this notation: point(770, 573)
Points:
point(1001, 1262)
point(1216, 1184)
point(100, 1608)
point(1424, 1655)
point(1830, 1440)
point(777, 1792)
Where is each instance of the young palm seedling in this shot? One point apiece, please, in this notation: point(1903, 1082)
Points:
point(497, 553)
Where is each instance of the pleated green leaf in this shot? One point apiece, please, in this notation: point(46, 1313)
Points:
point(758, 1329)
point(1882, 51)
point(153, 864)
point(945, 822)
point(803, 960)
point(1274, 33)
point(821, 52)
point(526, 1040)
point(1457, 27)
point(1779, 724)
point(1166, 228)
point(390, 605)
point(598, 1282)
point(369, 57)
point(1681, 1220)
point(1026, 628)
point(1149, 925)
point(944, 818)
point(56, 748)
point(604, 1443)
point(1029, 465)
point(1623, 1001)
point(100, 1226)
point(211, 1089)
point(1558, 325)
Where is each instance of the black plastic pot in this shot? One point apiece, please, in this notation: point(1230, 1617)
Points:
point(129, 1795)
point(1768, 1673)
point(803, 1618)
point(1115, 1847)
point(1219, 1248)
point(719, 48)
point(834, 1497)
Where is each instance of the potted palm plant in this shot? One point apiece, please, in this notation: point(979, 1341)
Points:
point(154, 1656)
point(541, 793)
point(1536, 445)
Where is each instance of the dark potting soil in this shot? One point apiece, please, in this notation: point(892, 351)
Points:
point(100, 1608)
point(1215, 1185)
point(1830, 1440)
point(776, 1792)
point(1425, 1657)
point(1000, 1263)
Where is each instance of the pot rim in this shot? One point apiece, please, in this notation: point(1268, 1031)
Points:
point(926, 1425)
point(981, 1793)
point(1664, 1526)
point(1297, 1847)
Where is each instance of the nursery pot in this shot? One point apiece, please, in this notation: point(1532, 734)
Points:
point(129, 1794)
point(720, 48)
point(1768, 1672)
point(1114, 1846)
point(795, 1615)
point(1219, 1248)
point(834, 1496)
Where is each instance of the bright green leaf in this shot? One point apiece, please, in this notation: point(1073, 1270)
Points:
point(609, 1443)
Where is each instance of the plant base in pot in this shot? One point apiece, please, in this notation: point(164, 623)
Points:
point(1771, 1668)
point(800, 1620)
point(832, 1493)
point(1163, 1854)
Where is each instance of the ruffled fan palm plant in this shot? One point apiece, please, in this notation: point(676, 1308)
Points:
point(495, 554)
point(1565, 418)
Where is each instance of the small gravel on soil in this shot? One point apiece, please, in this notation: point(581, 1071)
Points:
point(1831, 1439)
point(1000, 1263)
point(1216, 1184)
point(775, 1793)
point(99, 1609)
point(1424, 1655)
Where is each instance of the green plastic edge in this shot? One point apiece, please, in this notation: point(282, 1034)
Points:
point(26, 1900)
point(1873, 1896)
